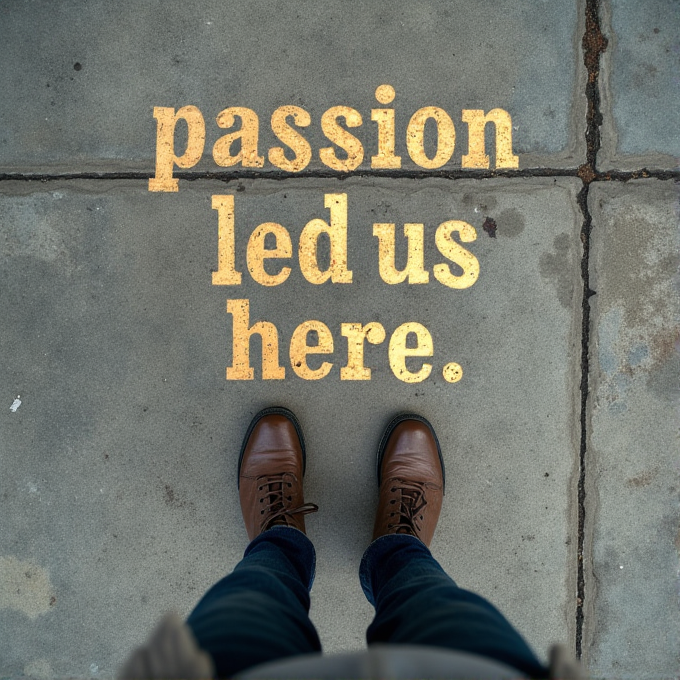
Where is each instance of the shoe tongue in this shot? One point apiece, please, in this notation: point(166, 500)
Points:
point(408, 499)
point(279, 521)
point(276, 487)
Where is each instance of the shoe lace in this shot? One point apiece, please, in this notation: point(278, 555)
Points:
point(276, 505)
point(411, 504)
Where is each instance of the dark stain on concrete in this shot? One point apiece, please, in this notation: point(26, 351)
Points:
point(510, 223)
point(556, 268)
point(490, 227)
point(174, 500)
point(643, 479)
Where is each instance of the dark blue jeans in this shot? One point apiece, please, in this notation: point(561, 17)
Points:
point(259, 612)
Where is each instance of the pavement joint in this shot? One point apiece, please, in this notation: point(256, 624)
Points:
point(594, 43)
point(527, 173)
point(585, 342)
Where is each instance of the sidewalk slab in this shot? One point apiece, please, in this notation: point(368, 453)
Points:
point(631, 629)
point(119, 464)
point(640, 86)
point(84, 101)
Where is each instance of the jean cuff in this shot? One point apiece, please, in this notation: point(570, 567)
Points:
point(296, 546)
point(377, 551)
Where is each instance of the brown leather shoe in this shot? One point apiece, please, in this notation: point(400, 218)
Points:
point(411, 479)
point(270, 471)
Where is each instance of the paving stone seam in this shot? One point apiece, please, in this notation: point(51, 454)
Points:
point(608, 176)
point(594, 43)
point(312, 174)
point(585, 342)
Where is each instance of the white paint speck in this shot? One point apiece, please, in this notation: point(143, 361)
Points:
point(32, 488)
point(620, 566)
point(15, 404)
point(208, 23)
point(94, 668)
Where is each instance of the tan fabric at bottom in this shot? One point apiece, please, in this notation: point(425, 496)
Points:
point(171, 653)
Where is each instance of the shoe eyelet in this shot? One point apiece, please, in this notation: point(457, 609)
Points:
point(289, 485)
point(393, 502)
point(393, 489)
point(262, 512)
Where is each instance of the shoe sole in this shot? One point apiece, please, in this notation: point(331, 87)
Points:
point(272, 410)
point(388, 432)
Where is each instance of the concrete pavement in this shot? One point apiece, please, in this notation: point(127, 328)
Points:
point(126, 310)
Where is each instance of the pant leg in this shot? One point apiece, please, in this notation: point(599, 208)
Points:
point(259, 612)
point(417, 603)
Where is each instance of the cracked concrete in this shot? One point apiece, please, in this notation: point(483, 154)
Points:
point(562, 434)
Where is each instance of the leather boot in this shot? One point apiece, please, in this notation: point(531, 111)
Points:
point(411, 479)
point(270, 471)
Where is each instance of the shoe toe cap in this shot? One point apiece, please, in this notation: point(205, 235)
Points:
point(411, 452)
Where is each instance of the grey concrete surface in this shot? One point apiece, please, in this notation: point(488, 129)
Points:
point(133, 56)
point(119, 464)
point(634, 449)
point(640, 86)
point(118, 429)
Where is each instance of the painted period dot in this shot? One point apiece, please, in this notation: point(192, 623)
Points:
point(452, 372)
point(385, 94)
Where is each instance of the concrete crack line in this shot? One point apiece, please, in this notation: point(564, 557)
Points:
point(585, 172)
point(593, 44)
